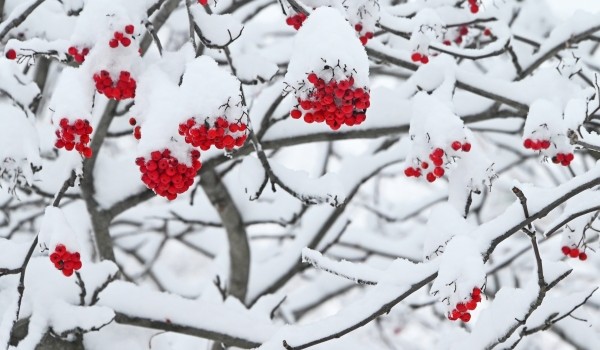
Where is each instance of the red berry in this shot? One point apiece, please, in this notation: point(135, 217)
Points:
point(474, 8)
point(528, 143)
point(11, 54)
point(424, 165)
point(471, 305)
point(487, 32)
point(129, 29)
point(424, 59)
point(463, 30)
point(565, 250)
point(466, 317)
point(416, 57)
point(438, 171)
point(358, 27)
point(574, 253)
point(438, 153)
point(461, 307)
point(456, 145)
point(430, 177)
point(113, 43)
point(582, 256)
point(132, 121)
point(203, 2)
point(363, 40)
point(476, 291)
point(569, 157)
point(466, 147)
point(296, 114)
point(545, 144)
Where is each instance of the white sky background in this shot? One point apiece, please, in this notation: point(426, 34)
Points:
point(565, 8)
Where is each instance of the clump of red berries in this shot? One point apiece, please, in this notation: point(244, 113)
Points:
point(122, 89)
point(220, 133)
point(564, 159)
point(474, 6)
point(334, 102)
point(165, 175)
point(137, 132)
point(574, 253)
point(78, 56)
point(364, 36)
point(65, 261)
point(296, 20)
point(461, 310)
point(74, 135)
point(419, 57)
point(11, 54)
point(436, 157)
point(120, 38)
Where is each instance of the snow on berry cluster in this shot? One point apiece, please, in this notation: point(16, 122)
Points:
point(429, 27)
point(363, 15)
point(122, 89)
point(74, 135)
point(460, 35)
point(335, 102)
point(165, 175)
point(545, 132)
point(461, 310)
point(574, 252)
point(65, 261)
point(296, 20)
point(78, 56)
point(219, 133)
point(120, 38)
point(438, 139)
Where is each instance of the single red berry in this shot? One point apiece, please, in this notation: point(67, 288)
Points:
point(545, 144)
point(129, 29)
point(466, 147)
point(456, 145)
point(132, 121)
point(416, 57)
point(438, 153)
point(574, 253)
point(528, 143)
point(471, 305)
point(424, 59)
point(447, 42)
point(461, 307)
point(424, 165)
point(487, 32)
point(565, 250)
point(363, 40)
point(438, 171)
point(476, 291)
point(11, 54)
point(466, 317)
point(569, 157)
point(463, 30)
point(582, 256)
point(358, 27)
point(430, 177)
point(296, 114)
point(474, 8)
point(113, 43)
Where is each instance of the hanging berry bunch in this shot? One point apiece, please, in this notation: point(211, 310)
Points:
point(65, 261)
point(335, 101)
point(219, 133)
point(120, 38)
point(363, 16)
point(165, 175)
point(461, 310)
point(545, 133)
point(122, 89)
point(364, 35)
point(78, 55)
point(74, 135)
point(428, 28)
point(434, 165)
point(296, 20)
point(574, 252)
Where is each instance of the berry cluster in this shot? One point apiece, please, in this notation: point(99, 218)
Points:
point(334, 102)
point(574, 253)
point(137, 132)
point(123, 89)
point(564, 159)
point(78, 56)
point(437, 160)
point(419, 57)
point(461, 311)
point(296, 20)
point(165, 175)
point(120, 38)
point(219, 133)
point(65, 261)
point(474, 6)
point(11, 54)
point(364, 38)
point(74, 135)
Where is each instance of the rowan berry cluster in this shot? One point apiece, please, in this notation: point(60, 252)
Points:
point(296, 20)
point(335, 102)
point(165, 175)
point(219, 133)
point(474, 6)
point(78, 56)
point(120, 38)
point(436, 157)
point(461, 310)
point(462, 32)
point(11, 54)
point(574, 253)
point(419, 57)
point(74, 135)
point(65, 261)
point(122, 89)
point(364, 36)
point(564, 159)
